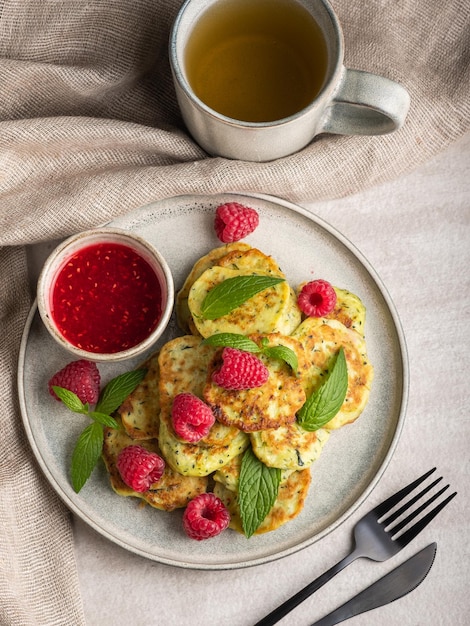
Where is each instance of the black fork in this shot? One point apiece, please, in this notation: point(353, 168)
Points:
point(376, 537)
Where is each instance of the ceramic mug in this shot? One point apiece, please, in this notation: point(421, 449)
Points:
point(345, 101)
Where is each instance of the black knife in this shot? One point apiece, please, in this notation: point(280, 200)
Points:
point(392, 586)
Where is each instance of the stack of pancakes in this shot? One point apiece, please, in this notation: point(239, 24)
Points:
point(263, 418)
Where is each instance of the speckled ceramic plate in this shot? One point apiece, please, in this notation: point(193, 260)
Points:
point(351, 463)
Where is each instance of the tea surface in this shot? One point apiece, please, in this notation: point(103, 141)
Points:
point(256, 61)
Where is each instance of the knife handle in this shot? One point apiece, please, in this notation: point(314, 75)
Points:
point(307, 591)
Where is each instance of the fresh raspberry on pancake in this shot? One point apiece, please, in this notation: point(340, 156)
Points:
point(240, 370)
point(317, 298)
point(140, 468)
point(191, 417)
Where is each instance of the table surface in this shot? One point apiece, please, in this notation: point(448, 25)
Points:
point(415, 233)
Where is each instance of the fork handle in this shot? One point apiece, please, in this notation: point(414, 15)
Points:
point(307, 591)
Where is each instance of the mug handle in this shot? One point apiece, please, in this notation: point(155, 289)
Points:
point(366, 104)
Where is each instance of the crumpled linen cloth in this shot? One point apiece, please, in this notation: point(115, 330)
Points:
point(90, 129)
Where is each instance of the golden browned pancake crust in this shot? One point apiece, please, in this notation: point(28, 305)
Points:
point(196, 459)
point(349, 310)
point(322, 338)
point(140, 412)
point(273, 404)
point(290, 501)
point(288, 447)
point(184, 364)
point(183, 314)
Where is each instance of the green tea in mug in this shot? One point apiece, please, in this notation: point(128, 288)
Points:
point(256, 60)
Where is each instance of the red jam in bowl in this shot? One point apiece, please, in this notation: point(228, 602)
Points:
point(106, 298)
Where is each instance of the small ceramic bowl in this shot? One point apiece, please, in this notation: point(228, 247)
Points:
point(105, 295)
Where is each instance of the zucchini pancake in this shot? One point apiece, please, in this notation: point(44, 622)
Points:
point(297, 355)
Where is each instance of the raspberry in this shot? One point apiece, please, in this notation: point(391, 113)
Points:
point(139, 468)
point(81, 377)
point(205, 517)
point(240, 370)
point(317, 298)
point(192, 418)
point(233, 221)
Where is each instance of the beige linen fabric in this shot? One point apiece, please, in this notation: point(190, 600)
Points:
point(89, 129)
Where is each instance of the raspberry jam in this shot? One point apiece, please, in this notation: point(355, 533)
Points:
point(106, 298)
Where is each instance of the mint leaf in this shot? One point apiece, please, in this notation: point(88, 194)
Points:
point(103, 419)
point(71, 400)
point(284, 354)
point(258, 488)
point(89, 445)
point(117, 390)
point(242, 342)
point(86, 453)
point(232, 340)
point(326, 401)
point(232, 292)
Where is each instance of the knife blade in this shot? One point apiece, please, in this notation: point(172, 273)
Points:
point(390, 587)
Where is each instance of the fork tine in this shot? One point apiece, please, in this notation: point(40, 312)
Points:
point(391, 518)
point(411, 533)
point(396, 529)
point(388, 504)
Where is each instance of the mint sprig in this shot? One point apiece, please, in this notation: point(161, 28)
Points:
point(71, 400)
point(86, 453)
point(280, 352)
point(242, 342)
point(232, 292)
point(232, 340)
point(258, 489)
point(326, 401)
point(89, 444)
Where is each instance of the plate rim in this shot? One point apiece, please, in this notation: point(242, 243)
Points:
point(401, 414)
